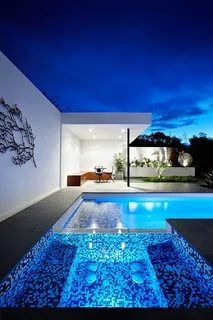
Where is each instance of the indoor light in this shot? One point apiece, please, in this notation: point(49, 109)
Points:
point(90, 130)
point(123, 130)
point(119, 137)
point(94, 137)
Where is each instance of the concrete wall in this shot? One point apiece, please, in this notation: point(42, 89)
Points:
point(153, 153)
point(138, 172)
point(70, 154)
point(98, 152)
point(22, 186)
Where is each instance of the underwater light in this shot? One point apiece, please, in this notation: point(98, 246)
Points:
point(123, 245)
point(90, 245)
point(149, 205)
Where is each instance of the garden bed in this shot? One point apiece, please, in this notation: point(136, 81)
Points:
point(168, 179)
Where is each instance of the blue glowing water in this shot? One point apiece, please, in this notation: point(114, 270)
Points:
point(138, 212)
point(109, 270)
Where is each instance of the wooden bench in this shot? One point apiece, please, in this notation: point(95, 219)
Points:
point(77, 179)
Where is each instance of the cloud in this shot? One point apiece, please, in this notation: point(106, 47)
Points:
point(104, 56)
point(175, 113)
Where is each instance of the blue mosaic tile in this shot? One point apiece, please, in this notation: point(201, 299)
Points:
point(91, 214)
point(47, 280)
point(43, 285)
point(181, 286)
point(113, 287)
point(24, 265)
point(198, 262)
point(95, 270)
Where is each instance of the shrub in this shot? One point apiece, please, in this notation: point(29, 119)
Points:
point(209, 179)
point(160, 166)
point(171, 179)
point(119, 161)
point(136, 163)
point(147, 162)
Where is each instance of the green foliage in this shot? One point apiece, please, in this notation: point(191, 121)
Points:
point(209, 179)
point(170, 179)
point(137, 163)
point(119, 161)
point(147, 162)
point(157, 139)
point(160, 166)
point(200, 148)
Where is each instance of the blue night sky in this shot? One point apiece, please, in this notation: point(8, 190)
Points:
point(118, 56)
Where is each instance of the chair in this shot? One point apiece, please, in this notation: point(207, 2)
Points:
point(98, 172)
point(110, 175)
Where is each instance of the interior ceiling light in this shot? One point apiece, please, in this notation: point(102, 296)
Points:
point(90, 130)
point(123, 130)
point(119, 137)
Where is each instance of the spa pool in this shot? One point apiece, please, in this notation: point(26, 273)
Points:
point(143, 270)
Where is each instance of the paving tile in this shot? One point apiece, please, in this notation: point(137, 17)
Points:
point(21, 231)
point(13, 246)
point(197, 233)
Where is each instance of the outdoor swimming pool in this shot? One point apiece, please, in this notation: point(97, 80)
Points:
point(109, 270)
point(125, 268)
point(132, 211)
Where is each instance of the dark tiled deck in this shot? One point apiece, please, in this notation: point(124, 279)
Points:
point(19, 232)
point(198, 232)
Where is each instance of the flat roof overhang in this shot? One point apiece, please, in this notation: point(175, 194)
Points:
point(106, 125)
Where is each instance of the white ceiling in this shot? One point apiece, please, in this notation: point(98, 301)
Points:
point(106, 125)
point(106, 132)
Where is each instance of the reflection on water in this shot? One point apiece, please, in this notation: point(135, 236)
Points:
point(138, 214)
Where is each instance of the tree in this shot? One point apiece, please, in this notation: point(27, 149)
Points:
point(201, 150)
point(157, 139)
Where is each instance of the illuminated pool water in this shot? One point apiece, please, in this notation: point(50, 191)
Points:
point(136, 211)
point(109, 270)
point(80, 263)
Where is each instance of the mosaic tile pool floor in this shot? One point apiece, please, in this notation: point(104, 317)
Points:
point(106, 270)
point(136, 212)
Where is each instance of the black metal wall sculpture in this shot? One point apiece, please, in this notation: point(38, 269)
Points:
point(16, 134)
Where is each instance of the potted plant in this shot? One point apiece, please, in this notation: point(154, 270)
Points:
point(119, 163)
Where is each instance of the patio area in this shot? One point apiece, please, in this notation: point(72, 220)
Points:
point(120, 186)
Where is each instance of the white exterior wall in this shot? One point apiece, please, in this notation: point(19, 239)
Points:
point(22, 186)
point(70, 154)
point(148, 152)
point(137, 172)
point(98, 152)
